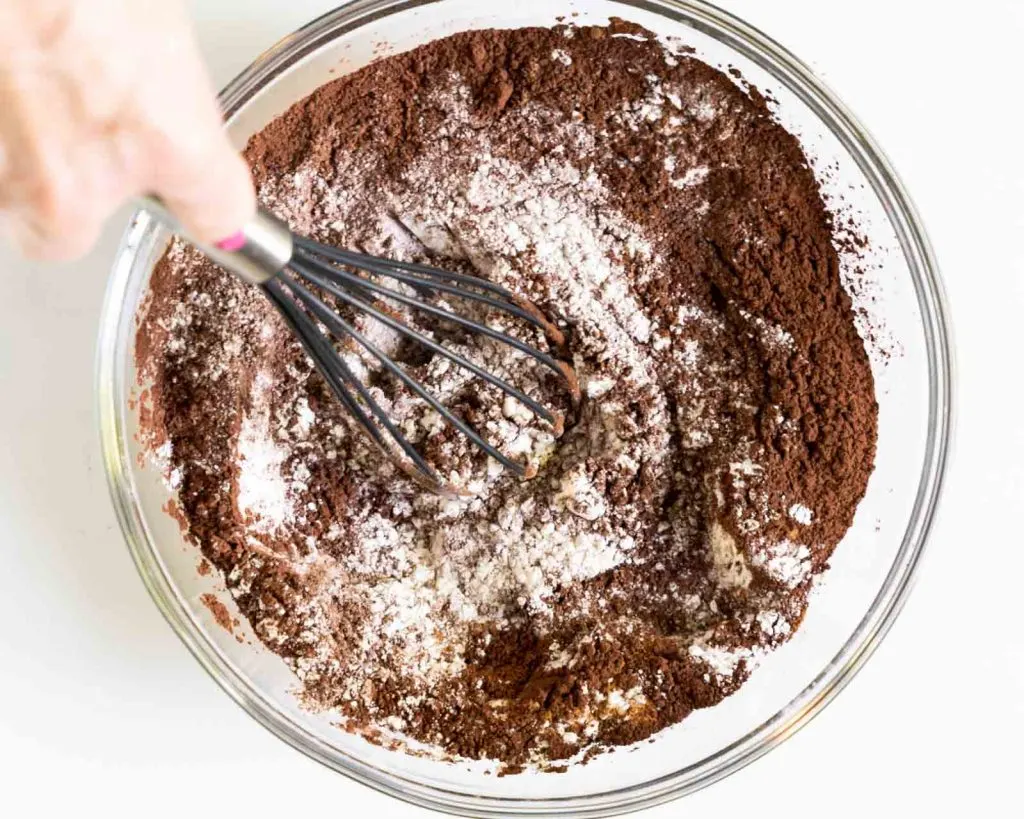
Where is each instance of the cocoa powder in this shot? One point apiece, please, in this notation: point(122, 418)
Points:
point(672, 536)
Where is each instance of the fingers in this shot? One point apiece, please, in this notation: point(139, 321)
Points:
point(26, 237)
point(40, 190)
point(61, 177)
point(209, 188)
point(74, 143)
point(196, 170)
point(46, 202)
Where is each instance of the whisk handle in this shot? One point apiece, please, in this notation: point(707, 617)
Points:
point(257, 253)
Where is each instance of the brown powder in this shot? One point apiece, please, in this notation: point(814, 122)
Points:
point(656, 209)
point(218, 610)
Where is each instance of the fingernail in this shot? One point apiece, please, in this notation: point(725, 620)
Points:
point(236, 241)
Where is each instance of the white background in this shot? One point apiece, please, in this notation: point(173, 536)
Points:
point(101, 706)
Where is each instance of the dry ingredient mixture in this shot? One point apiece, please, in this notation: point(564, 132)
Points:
point(652, 205)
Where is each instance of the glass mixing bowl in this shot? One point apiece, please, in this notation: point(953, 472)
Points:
point(872, 569)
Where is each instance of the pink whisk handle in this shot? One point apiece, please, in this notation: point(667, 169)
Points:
point(256, 253)
point(233, 243)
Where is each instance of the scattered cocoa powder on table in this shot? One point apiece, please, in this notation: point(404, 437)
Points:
point(655, 207)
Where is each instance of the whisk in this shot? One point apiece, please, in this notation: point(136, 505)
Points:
point(290, 269)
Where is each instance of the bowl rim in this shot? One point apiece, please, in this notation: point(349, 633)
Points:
point(914, 243)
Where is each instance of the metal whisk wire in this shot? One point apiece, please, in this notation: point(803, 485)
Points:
point(286, 267)
point(287, 290)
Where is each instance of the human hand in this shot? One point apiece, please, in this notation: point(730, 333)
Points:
point(101, 100)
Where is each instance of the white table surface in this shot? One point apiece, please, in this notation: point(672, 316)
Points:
point(102, 707)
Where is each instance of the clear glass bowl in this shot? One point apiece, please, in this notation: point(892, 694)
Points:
point(872, 568)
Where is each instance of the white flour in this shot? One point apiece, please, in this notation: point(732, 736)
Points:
point(429, 568)
point(263, 492)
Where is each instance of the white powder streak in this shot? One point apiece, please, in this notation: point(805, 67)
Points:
point(801, 514)
point(262, 490)
point(423, 591)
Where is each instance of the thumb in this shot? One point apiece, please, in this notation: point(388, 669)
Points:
point(209, 189)
point(190, 161)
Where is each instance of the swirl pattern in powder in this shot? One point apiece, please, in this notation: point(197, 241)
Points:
point(652, 205)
